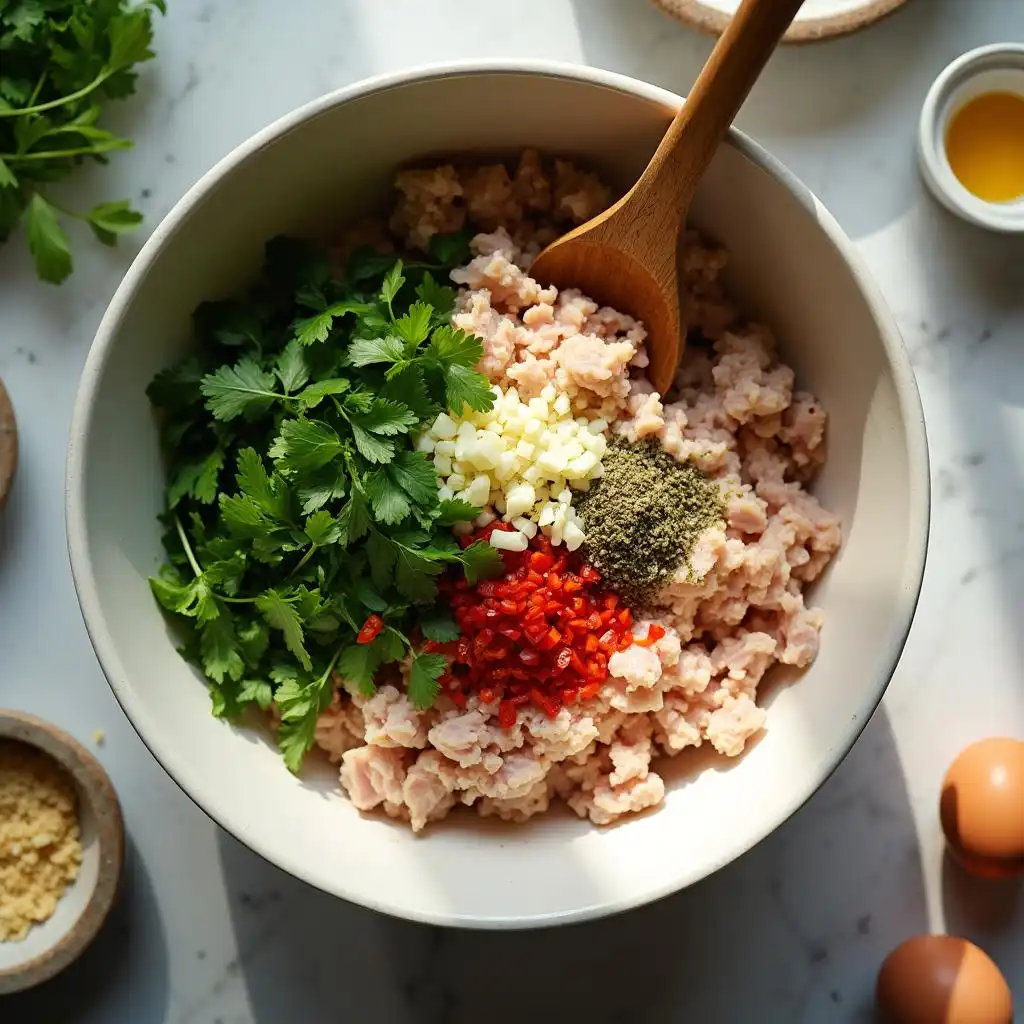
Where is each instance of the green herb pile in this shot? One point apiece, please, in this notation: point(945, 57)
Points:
point(297, 505)
point(59, 61)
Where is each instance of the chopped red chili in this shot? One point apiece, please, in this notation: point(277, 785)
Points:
point(541, 634)
point(371, 628)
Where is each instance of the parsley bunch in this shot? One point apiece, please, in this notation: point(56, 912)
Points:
point(297, 504)
point(59, 60)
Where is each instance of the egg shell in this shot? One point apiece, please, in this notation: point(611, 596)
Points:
point(941, 979)
point(982, 807)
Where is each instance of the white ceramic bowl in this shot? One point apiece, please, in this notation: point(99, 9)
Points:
point(995, 68)
point(791, 265)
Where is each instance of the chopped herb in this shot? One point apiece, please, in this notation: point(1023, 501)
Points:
point(305, 532)
point(60, 60)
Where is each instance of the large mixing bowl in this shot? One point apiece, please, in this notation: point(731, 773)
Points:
point(791, 265)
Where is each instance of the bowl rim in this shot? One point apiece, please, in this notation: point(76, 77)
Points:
point(174, 761)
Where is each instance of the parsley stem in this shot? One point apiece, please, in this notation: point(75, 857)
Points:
point(39, 87)
point(313, 548)
point(57, 154)
point(71, 97)
point(196, 567)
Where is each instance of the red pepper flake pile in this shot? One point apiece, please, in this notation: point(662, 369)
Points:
point(542, 634)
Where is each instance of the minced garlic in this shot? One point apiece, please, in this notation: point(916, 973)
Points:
point(524, 459)
point(40, 850)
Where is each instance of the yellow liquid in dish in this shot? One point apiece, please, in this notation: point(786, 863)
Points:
point(985, 146)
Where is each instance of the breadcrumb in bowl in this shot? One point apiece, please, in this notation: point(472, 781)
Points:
point(790, 267)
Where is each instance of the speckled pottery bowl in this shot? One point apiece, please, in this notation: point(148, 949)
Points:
point(791, 266)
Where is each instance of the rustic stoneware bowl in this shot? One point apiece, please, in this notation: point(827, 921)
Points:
point(332, 160)
point(8, 444)
point(59, 941)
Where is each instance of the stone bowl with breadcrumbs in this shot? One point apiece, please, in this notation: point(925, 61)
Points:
point(692, 604)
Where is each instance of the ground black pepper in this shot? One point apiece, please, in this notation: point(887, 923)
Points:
point(644, 515)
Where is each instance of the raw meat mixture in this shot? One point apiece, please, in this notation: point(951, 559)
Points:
point(735, 411)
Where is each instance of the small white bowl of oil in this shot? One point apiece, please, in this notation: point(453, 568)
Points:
point(971, 141)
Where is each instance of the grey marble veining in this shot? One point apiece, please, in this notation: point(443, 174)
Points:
point(793, 932)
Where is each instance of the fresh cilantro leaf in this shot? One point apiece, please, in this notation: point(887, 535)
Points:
point(386, 417)
point(367, 351)
point(59, 59)
point(413, 574)
point(294, 740)
point(281, 614)
point(409, 387)
point(305, 445)
point(316, 328)
point(365, 594)
point(292, 370)
point(243, 389)
point(219, 649)
point(323, 529)
point(440, 297)
point(451, 346)
point(424, 672)
point(258, 692)
point(110, 220)
point(372, 448)
point(390, 645)
point(482, 562)
point(451, 250)
point(354, 518)
point(320, 487)
point(387, 499)
point(467, 387)
point(312, 396)
point(47, 242)
point(193, 598)
point(196, 479)
point(382, 560)
point(438, 625)
point(242, 516)
point(268, 493)
point(414, 326)
point(7, 178)
point(393, 281)
point(455, 510)
point(253, 640)
point(416, 476)
point(357, 665)
point(225, 575)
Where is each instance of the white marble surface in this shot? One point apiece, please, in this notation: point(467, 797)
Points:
point(207, 932)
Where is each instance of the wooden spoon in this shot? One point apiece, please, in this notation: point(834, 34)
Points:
point(626, 256)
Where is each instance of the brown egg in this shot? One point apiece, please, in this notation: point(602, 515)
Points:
point(939, 979)
point(982, 807)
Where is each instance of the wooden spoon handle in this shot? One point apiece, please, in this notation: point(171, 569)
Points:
point(732, 69)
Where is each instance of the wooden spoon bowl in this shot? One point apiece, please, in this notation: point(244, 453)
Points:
point(626, 256)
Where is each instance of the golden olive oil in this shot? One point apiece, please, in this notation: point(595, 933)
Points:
point(985, 146)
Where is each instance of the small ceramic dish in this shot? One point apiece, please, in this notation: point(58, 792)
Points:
point(817, 20)
point(51, 946)
point(989, 69)
point(8, 444)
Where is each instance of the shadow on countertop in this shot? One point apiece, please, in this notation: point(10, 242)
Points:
point(799, 926)
point(121, 977)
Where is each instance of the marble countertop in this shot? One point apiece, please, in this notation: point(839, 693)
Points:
point(207, 932)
